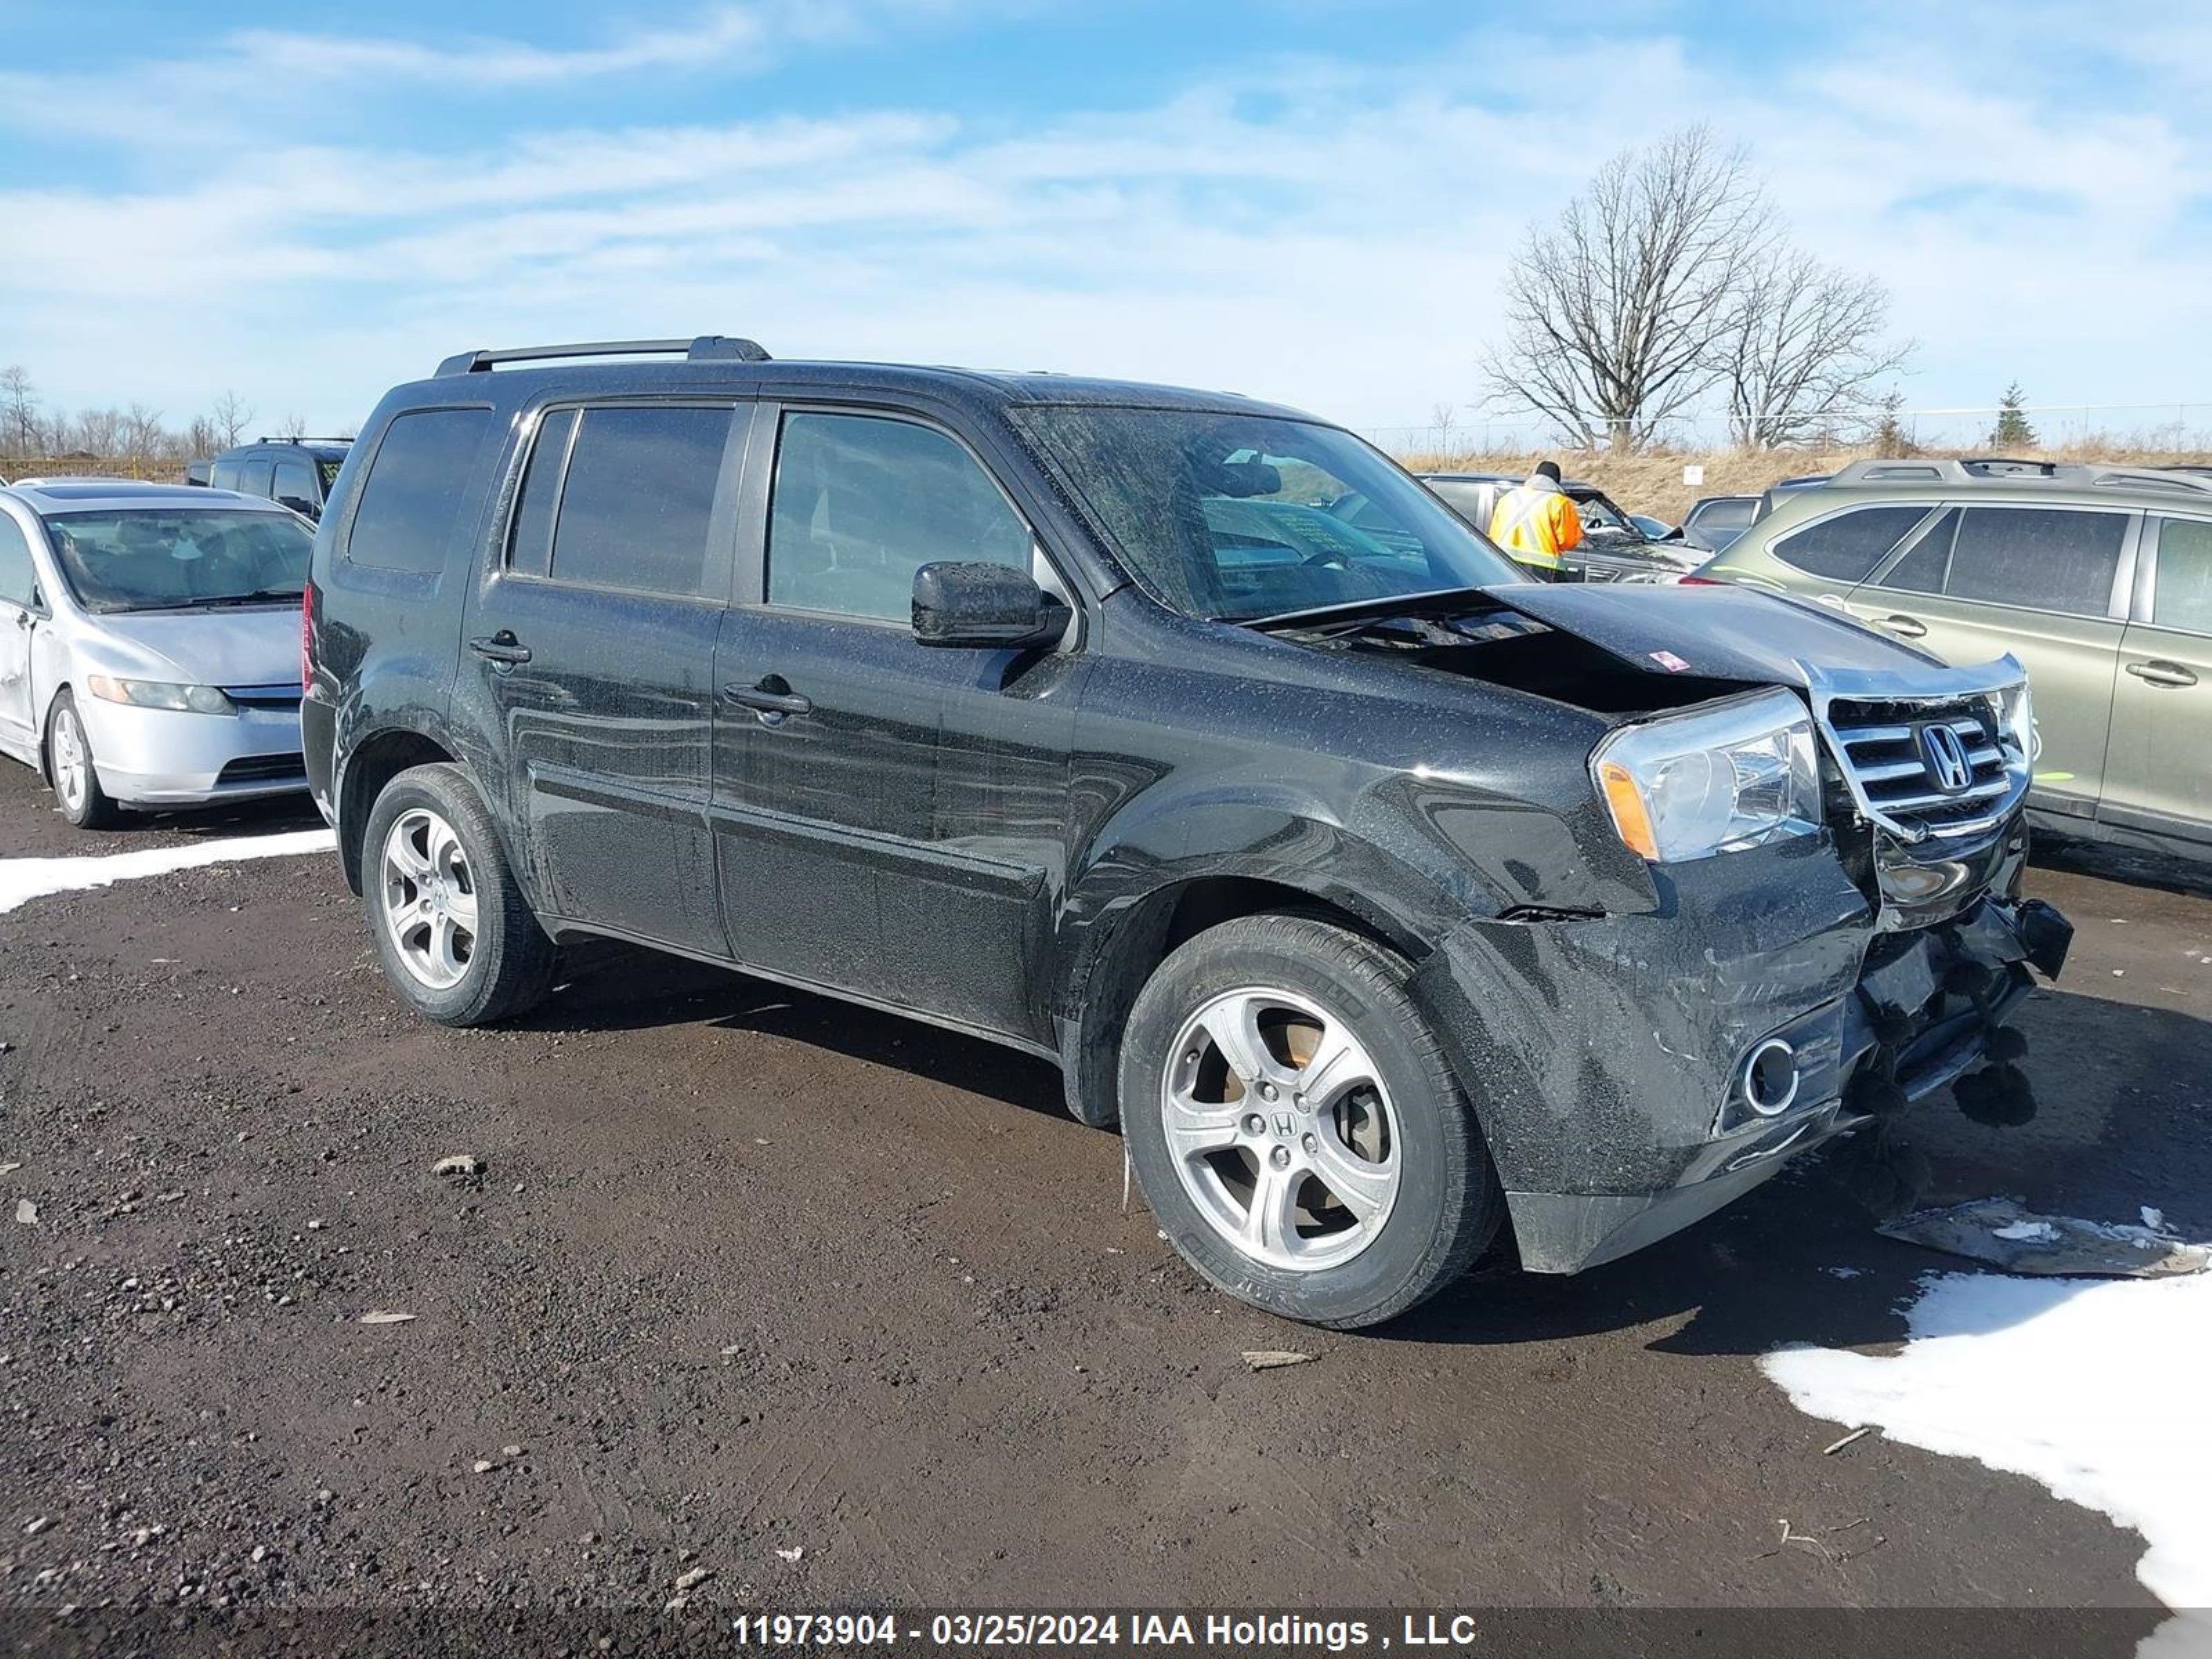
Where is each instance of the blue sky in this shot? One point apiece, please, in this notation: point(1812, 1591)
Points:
point(1306, 199)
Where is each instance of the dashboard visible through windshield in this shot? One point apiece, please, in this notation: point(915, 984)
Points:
point(145, 559)
point(1236, 517)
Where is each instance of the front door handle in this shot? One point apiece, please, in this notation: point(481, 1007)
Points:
point(1905, 625)
point(501, 648)
point(772, 699)
point(2157, 672)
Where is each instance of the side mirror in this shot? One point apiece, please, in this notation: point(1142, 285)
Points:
point(983, 604)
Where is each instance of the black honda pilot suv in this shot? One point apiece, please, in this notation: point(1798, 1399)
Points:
point(1392, 905)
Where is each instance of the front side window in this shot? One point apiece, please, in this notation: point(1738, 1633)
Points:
point(861, 502)
point(2183, 596)
point(19, 581)
point(1847, 547)
point(2037, 558)
point(636, 498)
point(1226, 515)
point(417, 484)
point(160, 559)
point(256, 478)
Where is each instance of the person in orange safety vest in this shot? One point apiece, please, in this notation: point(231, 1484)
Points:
point(1536, 523)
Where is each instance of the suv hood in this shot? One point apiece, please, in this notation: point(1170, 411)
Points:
point(256, 646)
point(1712, 633)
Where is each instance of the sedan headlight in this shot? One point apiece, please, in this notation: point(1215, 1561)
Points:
point(161, 693)
point(1715, 781)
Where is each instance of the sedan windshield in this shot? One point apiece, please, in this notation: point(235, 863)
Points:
point(162, 559)
point(1235, 517)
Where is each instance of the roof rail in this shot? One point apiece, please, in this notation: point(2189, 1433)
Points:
point(705, 347)
point(301, 438)
point(2004, 469)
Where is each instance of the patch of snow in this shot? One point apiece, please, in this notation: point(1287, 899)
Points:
point(2093, 1387)
point(2037, 1232)
point(22, 880)
point(2154, 1219)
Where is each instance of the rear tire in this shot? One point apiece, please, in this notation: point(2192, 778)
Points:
point(456, 938)
point(71, 770)
point(1295, 1127)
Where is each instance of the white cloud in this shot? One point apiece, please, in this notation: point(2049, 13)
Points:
point(1325, 233)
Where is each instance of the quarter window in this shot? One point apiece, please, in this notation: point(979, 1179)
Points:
point(1847, 547)
point(2037, 558)
point(2183, 597)
point(415, 490)
point(861, 503)
point(530, 542)
point(637, 498)
point(18, 582)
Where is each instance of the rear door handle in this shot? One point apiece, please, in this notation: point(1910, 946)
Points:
point(1904, 625)
point(501, 648)
point(2160, 673)
point(770, 704)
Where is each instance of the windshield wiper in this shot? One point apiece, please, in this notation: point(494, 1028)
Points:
point(259, 596)
point(1438, 601)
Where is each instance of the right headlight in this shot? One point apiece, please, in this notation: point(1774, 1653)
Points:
point(1717, 780)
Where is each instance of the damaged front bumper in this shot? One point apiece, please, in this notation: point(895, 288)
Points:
point(1635, 1074)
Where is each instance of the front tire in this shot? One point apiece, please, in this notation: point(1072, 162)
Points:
point(456, 935)
point(1294, 1125)
point(71, 770)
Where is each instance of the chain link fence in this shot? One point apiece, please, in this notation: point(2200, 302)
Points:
point(2177, 427)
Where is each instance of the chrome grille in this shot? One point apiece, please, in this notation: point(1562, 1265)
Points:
point(1881, 745)
point(1894, 741)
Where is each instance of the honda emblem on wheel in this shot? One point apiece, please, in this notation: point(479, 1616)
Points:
point(1944, 757)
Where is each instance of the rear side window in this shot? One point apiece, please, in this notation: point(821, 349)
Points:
point(223, 475)
point(862, 503)
point(1927, 563)
point(1847, 547)
point(19, 583)
point(416, 485)
point(2037, 558)
point(1727, 515)
point(637, 498)
point(2182, 597)
point(295, 482)
point(255, 477)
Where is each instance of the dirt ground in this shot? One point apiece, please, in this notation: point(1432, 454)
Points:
point(844, 1311)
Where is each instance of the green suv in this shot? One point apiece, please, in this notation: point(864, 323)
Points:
point(2099, 578)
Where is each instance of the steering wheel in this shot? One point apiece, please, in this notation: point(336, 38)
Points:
point(1327, 558)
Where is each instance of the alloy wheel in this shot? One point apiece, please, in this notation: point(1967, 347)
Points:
point(1281, 1128)
point(429, 898)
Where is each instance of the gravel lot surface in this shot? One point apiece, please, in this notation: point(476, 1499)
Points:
point(835, 1309)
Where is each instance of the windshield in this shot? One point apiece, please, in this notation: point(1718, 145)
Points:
point(163, 559)
point(1237, 516)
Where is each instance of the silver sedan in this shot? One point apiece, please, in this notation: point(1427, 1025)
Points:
point(150, 643)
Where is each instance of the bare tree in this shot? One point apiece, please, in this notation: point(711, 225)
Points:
point(1800, 349)
point(1612, 310)
point(1443, 417)
point(143, 432)
point(295, 426)
point(19, 406)
point(232, 416)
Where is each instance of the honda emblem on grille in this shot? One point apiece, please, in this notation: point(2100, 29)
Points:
point(1944, 757)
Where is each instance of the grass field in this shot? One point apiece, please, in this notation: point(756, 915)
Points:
point(1651, 481)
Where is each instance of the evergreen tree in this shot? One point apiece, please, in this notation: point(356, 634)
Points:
point(2012, 430)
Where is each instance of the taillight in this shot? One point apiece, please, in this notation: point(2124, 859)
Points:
point(307, 638)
